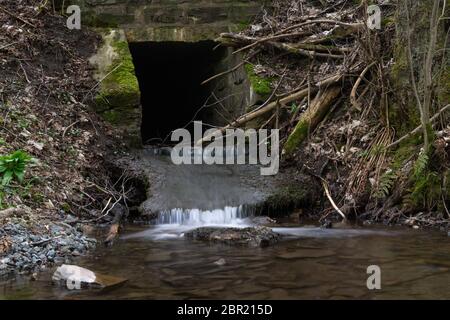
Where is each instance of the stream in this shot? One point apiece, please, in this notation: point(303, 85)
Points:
point(308, 263)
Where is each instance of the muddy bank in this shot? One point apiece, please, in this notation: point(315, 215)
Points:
point(46, 88)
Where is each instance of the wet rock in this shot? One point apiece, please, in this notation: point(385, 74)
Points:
point(220, 262)
point(326, 224)
point(263, 221)
point(252, 236)
point(75, 277)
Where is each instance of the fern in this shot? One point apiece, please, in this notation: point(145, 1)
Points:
point(420, 165)
point(385, 184)
point(425, 192)
point(294, 108)
point(13, 166)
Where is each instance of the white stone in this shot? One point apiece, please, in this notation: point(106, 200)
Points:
point(74, 273)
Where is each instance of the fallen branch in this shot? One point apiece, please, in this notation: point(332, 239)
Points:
point(307, 53)
point(308, 50)
point(327, 192)
point(416, 130)
point(352, 26)
point(45, 241)
point(230, 70)
point(257, 113)
point(356, 85)
point(311, 118)
point(324, 183)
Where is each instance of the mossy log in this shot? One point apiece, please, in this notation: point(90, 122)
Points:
point(311, 118)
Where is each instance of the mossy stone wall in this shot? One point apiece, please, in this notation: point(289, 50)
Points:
point(118, 98)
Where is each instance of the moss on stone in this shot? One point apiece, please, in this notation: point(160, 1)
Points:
point(120, 88)
point(118, 99)
point(260, 85)
point(287, 198)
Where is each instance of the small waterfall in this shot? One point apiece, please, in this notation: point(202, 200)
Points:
point(195, 217)
point(171, 224)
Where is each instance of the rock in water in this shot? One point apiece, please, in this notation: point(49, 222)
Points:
point(220, 262)
point(252, 236)
point(263, 221)
point(75, 277)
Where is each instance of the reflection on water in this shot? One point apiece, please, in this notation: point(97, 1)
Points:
point(311, 263)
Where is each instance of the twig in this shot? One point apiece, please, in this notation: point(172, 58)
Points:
point(273, 92)
point(17, 17)
point(100, 81)
point(39, 243)
point(254, 114)
point(230, 70)
point(291, 28)
point(416, 130)
point(327, 192)
point(24, 72)
point(355, 87)
point(7, 45)
point(307, 53)
point(107, 212)
point(67, 128)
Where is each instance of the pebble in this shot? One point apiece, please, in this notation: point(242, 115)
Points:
point(23, 256)
point(220, 262)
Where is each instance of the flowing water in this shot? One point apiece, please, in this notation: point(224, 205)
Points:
point(308, 263)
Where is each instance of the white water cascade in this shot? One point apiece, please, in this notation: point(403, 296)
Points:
point(228, 216)
point(173, 223)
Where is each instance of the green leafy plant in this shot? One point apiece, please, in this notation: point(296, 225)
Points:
point(294, 108)
point(13, 166)
point(387, 181)
point(420, 165)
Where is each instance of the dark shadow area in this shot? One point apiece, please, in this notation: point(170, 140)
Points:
point(170, 76)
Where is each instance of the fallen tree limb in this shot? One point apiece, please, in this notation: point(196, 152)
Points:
point(304, 49)
point(356, 85)
point(324, 183)
point(327, 193)
point(353, 27)
point(416, 130)
point(257, 113)
point(299, 51)
point(311, 118)
point(233, 39)
point(322, 48)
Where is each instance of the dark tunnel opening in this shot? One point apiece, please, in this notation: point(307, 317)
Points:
point(170, 76)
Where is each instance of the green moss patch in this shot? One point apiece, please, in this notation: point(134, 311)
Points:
point(260, 85)
point(120, 87)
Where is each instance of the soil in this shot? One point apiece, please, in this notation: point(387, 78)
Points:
point(45, 89)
